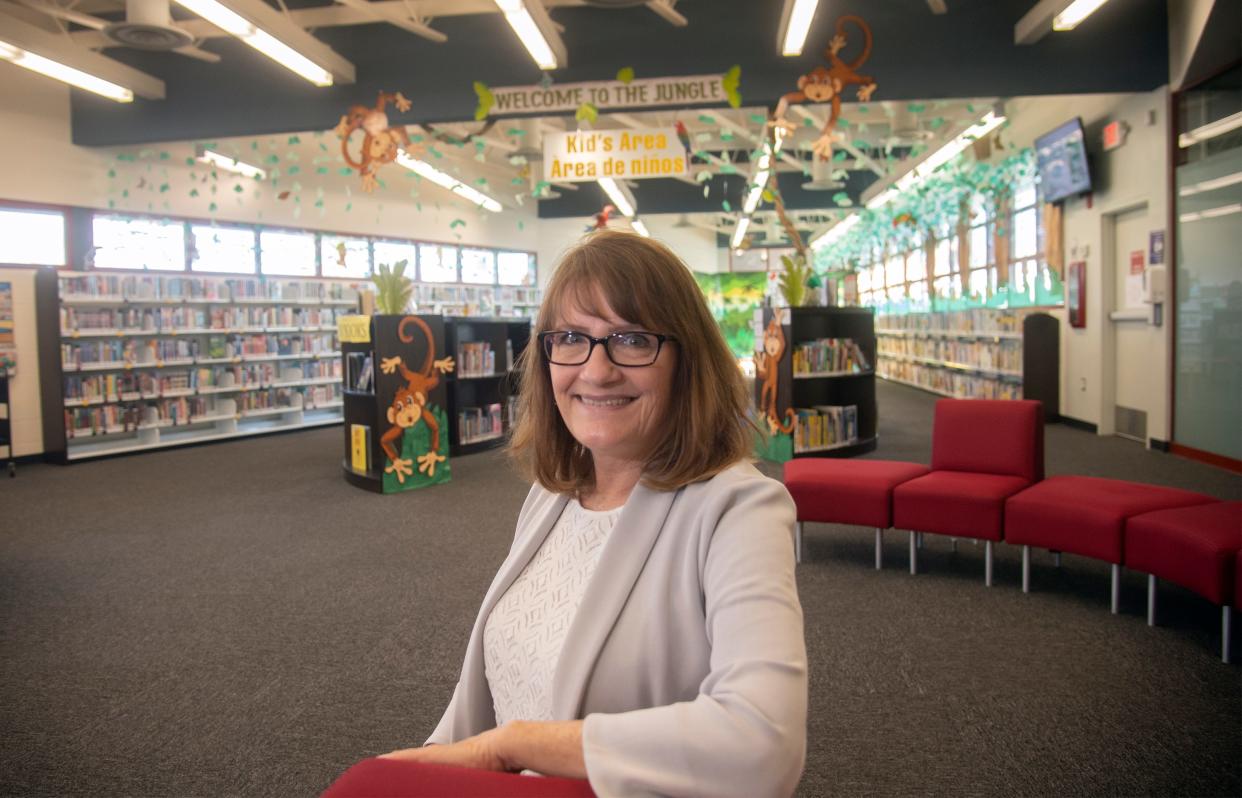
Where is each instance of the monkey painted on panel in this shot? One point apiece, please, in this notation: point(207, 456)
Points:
point(767, 367)
point(409, 406)
point(825, 84)
point(380, 143)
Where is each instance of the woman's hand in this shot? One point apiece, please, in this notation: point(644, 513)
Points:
point(483, 751)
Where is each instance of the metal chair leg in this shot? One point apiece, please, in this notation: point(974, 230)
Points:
point(797, 541)
point(914, 554)
point(953, 543)
point(1226, 613)
point(1151, 599)
point(879, 548)
point(987, 563)
point(1056, 559)
point(1026, 569)
point(920, 539)
point(1116, 588)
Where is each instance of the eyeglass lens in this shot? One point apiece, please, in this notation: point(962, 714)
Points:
point(625, 349)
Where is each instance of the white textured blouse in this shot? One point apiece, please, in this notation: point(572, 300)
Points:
point(525, 631)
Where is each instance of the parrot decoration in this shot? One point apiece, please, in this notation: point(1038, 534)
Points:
point(683, 135)
point(601, 218)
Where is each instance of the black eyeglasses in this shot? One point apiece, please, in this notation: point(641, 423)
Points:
point(627, 349)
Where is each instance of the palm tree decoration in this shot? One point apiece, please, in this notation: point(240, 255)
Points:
point(793, 280)
point(392, 288)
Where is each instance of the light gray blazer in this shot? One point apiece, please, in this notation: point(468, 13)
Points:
point(686, 657)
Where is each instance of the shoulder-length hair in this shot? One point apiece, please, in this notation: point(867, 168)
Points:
point(705, 429)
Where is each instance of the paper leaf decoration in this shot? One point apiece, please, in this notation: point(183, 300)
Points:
point(625, 74)
point(730, 83)
point(486, 100)
point(586, 113)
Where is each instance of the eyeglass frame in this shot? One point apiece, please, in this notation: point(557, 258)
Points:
point(660, 340)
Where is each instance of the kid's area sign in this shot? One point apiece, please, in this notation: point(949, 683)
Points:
point(633, 153)
point(609, 94)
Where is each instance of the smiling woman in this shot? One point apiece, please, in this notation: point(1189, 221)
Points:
point(644, 632)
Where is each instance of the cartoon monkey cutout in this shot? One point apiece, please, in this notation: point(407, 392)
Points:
point(825, 84)
point(767, 367)
point(380, 143)
point(409, 406)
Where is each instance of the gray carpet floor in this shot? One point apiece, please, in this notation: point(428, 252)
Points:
point(235, 619)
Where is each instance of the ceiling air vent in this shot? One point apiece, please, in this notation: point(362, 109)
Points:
point(148, 26)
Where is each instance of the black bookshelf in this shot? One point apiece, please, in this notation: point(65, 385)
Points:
point(832, 389)
point(475, 384)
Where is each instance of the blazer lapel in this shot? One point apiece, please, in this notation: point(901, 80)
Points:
point(622, 560)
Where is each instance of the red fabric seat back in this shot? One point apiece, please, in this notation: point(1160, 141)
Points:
point(989, 436)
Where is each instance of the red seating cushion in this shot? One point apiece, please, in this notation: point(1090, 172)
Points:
point(991, 436)
point(1086, 515)
point(1195, 547)
point(847, 491)
point(955, 503)
point(395, 778)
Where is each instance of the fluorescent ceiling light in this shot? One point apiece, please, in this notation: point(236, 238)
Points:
point(448, 181)
point(1211, 130)
point(835, 232)
point(523, 24)
point(1075, 13)
point(1210, 185)
point(640, 228)
point(230, 164)
point(990, 121)
point(797, 24)
point(739, 232)
point(229, 21)
point(66, 74)
point(617, 195)
point(761, 182)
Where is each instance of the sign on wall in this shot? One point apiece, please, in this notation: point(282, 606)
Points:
point(608, 94)
point(632, 154)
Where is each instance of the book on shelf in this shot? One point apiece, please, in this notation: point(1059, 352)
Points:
point(829, 355)
point(475, 359)
point(822, 426)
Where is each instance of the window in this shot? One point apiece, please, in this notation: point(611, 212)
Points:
point(982, 282)
point(478, 266)
point(340, 256)
point(125, 243)
point(516, 268)
point(916, 264)
point(894, 272)
point(946, 257)
point(286, 253)
point(979, 246)
point(31, 237)
point(390, 252)
point(222, 249)
point(437, 264)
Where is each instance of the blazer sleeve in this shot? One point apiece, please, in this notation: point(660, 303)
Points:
point(745, 733)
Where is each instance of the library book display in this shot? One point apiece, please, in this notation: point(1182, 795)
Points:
point(816, 381)
point(149, 361)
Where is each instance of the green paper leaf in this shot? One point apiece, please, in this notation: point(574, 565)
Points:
point(936, 123)
point(272, 159)
point(323, 170)
point(293, 170)
point(808, 122)
point(486, 100)
point(725, 204)
point(759, 119)
point(111, 173)
point(293, 140)
point(212, 208)
point(164, 188)
point(515, 132)
point(586, 112)
point(345, 171)
point(625, 74)
point(843, 123)
point(193, 192)
point(707, 120)
point(435, 152)
point(841, 198)
point(916, 108)
point(457, 223)
point(839, 156)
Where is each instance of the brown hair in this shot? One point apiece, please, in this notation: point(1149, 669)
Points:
point(643, 282)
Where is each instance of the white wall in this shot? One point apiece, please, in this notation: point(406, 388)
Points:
point(40, 164)
point(1134, 175)
point(694, 245)
point(25, 412)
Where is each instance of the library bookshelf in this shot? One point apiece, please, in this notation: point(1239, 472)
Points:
point(974, 354)
point(827, 378)
point(482, 388)
point(460, 299)
point(149, 361)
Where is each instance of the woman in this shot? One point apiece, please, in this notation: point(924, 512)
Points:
point(644, 632)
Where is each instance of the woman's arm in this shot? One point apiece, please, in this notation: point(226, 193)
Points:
point(553, 748)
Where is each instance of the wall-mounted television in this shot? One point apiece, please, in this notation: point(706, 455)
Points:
point(1061, 157)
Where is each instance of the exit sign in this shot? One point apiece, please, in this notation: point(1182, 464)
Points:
point(1115, 134)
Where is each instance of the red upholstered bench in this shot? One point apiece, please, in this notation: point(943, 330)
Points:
point(1087, 516)
point(1196, 547)
point(395, 778)
point(983, 452)
point(847, 492)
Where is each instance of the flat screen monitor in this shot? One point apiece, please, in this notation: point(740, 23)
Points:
point(1061, 156)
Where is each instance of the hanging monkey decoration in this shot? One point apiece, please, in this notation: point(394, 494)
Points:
point(409, 405)
point(826, 83)
point(380, 143)
point(767, 368)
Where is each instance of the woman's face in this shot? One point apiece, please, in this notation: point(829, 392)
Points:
point(616, 412)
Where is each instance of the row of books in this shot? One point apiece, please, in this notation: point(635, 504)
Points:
point(961, 385)
point(476, 424)
point(475, 359)
point(360, 372)
point(152, 286)
point(824, 426)
point(133, 384)
point(828, 355)
point(976, 320)
point(1002, 355)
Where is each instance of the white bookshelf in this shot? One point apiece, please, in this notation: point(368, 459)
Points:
point(151, 361)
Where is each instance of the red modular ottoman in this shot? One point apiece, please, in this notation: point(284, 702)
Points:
point(983, 452)
point(1196, 547)
point(847, 492)
point(396, 778)
point(1085, 515)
